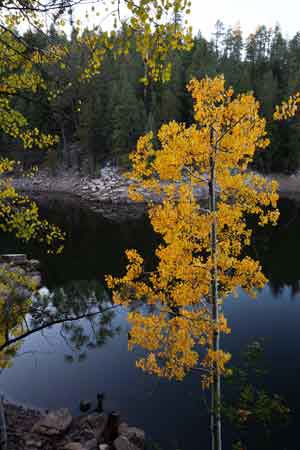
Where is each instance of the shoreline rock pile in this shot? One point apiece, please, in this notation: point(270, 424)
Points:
point(59, 430)
point(106, 194)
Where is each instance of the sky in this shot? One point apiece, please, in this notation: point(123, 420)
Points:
point(249, 13)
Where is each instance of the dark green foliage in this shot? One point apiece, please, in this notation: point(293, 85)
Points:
point(256, 414)
point(101, 120)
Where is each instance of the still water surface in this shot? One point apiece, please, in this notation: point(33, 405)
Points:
point(47, 373)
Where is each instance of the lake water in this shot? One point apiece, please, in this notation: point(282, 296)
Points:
point(49, 373)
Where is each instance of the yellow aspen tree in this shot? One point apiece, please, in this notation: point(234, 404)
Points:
point(201, 260)
point(22, 70)
point(22, 67)
point(288, 109)
point(152, 24)
point(20, 215)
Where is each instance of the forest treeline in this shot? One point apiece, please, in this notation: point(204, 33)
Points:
point(100, 120)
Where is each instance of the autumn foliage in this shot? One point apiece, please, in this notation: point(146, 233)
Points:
point(176, 324)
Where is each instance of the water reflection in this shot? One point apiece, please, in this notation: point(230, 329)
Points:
point(169, 411)
point(81, 310)
point(278, 249)
point(94, 245)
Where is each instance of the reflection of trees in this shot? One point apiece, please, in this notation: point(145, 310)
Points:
point(91, 237)
point(15, 291)
point(82, 310)
point(278, 249)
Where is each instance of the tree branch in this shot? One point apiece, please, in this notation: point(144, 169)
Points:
point(14, 340)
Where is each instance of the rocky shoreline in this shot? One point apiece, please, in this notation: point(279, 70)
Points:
point(108, 193)
point(23, 428)
point(110, 188)
point(34, 429)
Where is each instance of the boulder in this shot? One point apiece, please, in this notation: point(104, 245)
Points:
point(91, 444)
point(111, 429)
point(135, 435)
point(36, 278)
point(95, 422)
point(73, 446)
point(34, 263)
point(88, 445)
point(33, 443)
point(122, 443)
point(54, 423)
point(13, 258)
point(123, 428)
point(85, 405)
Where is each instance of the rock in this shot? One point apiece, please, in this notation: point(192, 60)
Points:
point(36, 278)
point(103, 447)
point(123, 428)
point(111, 429)
point(74, 446)
point(91, 444)
point(15, 269)
point(135, 435)
point(122, 443)
point(84, 405)
point(33, 443)
point(96, 423)
point(100, 399)
point(15, 259)
point(34, 263)
point(93, 420)
point(54, 423)
point(22, 292)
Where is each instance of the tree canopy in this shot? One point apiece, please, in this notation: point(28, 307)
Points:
point(226, 134)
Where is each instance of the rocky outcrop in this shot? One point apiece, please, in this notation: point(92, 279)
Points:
point(58, 430)
point(106, 195)
point(54, 423)
point(109, 186)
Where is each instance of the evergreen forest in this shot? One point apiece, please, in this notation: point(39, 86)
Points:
point(100, 120)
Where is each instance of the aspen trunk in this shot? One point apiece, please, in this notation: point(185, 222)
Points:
point(215, 413)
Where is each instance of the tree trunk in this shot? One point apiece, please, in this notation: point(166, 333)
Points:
point(215, 413)
point(66, 151)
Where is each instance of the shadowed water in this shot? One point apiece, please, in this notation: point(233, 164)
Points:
point(65, 364)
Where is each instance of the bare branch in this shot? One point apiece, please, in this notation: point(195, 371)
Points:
point(14, 340)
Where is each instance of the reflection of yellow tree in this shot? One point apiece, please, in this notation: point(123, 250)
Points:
point(202, 258)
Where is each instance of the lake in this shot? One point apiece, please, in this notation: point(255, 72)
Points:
point(59, 368)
